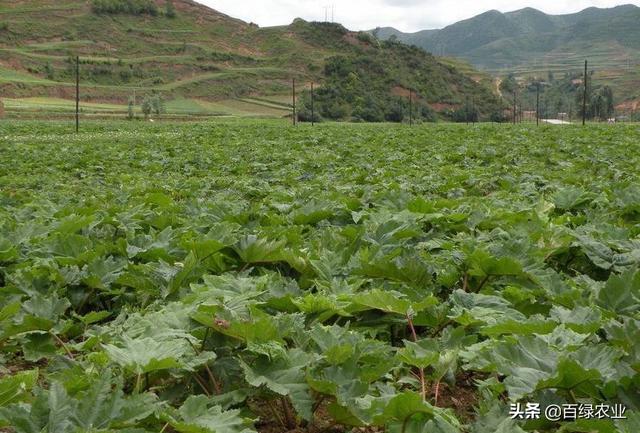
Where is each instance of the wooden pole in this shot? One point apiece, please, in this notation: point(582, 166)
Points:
point(410, 107)
point(294, 101)
point(77, 94)
point(313, 113)
point(584, 96)
point(466, 109)
point(515, 114)
point(538, 104)
point(473, 110)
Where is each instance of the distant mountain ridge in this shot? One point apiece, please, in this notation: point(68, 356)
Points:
point(529, 41)
point(462, 38)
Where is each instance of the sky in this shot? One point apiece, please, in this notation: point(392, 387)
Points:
point(405, 15)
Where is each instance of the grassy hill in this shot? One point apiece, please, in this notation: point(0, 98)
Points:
point(199, 60)
point(530, 42)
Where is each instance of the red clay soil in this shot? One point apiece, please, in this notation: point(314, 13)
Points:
point(633, 105)
point(437, 106)
point(400, 91)
point(444, 107)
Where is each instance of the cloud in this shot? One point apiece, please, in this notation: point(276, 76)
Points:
point(405, 15)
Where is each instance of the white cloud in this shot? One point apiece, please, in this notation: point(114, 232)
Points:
point(406, 15)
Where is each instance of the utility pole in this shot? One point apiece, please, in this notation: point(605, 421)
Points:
point(313, 114)
point(326, 12)
point(538, 104)
point(473, 110)
point(294, 101)
point(515, 96)
point(332, 12)
point(466, 109)
point(584, 96)
point(410, 107)
point(77, 94)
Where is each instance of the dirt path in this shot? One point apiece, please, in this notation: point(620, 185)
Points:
point(498, 83)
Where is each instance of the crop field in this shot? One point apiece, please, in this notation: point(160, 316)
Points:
point(248, 276)
point(179, 108)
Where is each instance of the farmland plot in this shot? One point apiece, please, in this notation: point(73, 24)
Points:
point(249, 276)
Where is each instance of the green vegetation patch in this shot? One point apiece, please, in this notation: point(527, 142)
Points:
point(249, 276)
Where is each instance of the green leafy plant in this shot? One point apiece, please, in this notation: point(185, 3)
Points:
point(238, 277)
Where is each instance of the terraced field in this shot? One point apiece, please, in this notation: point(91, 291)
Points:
point(200, 75)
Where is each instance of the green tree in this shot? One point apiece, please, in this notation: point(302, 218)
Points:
point(48, 71)
point(304, 111)
point(508, 85)
point(169, 9)
point(130, 112)
point(607, 100)
point(147, 106)
point(157, 104)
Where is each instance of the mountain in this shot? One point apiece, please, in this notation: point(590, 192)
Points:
point(529, 41)
point(202, 61)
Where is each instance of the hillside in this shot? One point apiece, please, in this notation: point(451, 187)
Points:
point(199, 60)
point(528, 42)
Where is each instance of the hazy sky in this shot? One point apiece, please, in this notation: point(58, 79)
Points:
point(406, 15)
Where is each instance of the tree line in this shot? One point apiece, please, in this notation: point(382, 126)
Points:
point(562, 94)
point(132, 7)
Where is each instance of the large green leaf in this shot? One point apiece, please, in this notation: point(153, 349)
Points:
point(199, 415)
point(408, 413)
point(284, 376)
point(15, 387)
point(391, 302)
point(621, 294)
point(483, 264)
point(144, 355)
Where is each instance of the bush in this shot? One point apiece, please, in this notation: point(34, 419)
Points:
point(498, 116)
point(4, 26)
point(157, 104)
point(169, 9)
point(304, 109)
point(368, 112)
point(366, 38)
point(395, 113)
point(131, 7)
point(153, 104)
point(465, 114)
point(48, 71)
point(147, 107)
point(428, 114)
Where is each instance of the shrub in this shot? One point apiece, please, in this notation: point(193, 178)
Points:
point(147, 107)
point(366, 38)
point(131, 7)
point(169, 9)
point(48, 71)
point(157, 104)
point(395, 113)
point(304, 109)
